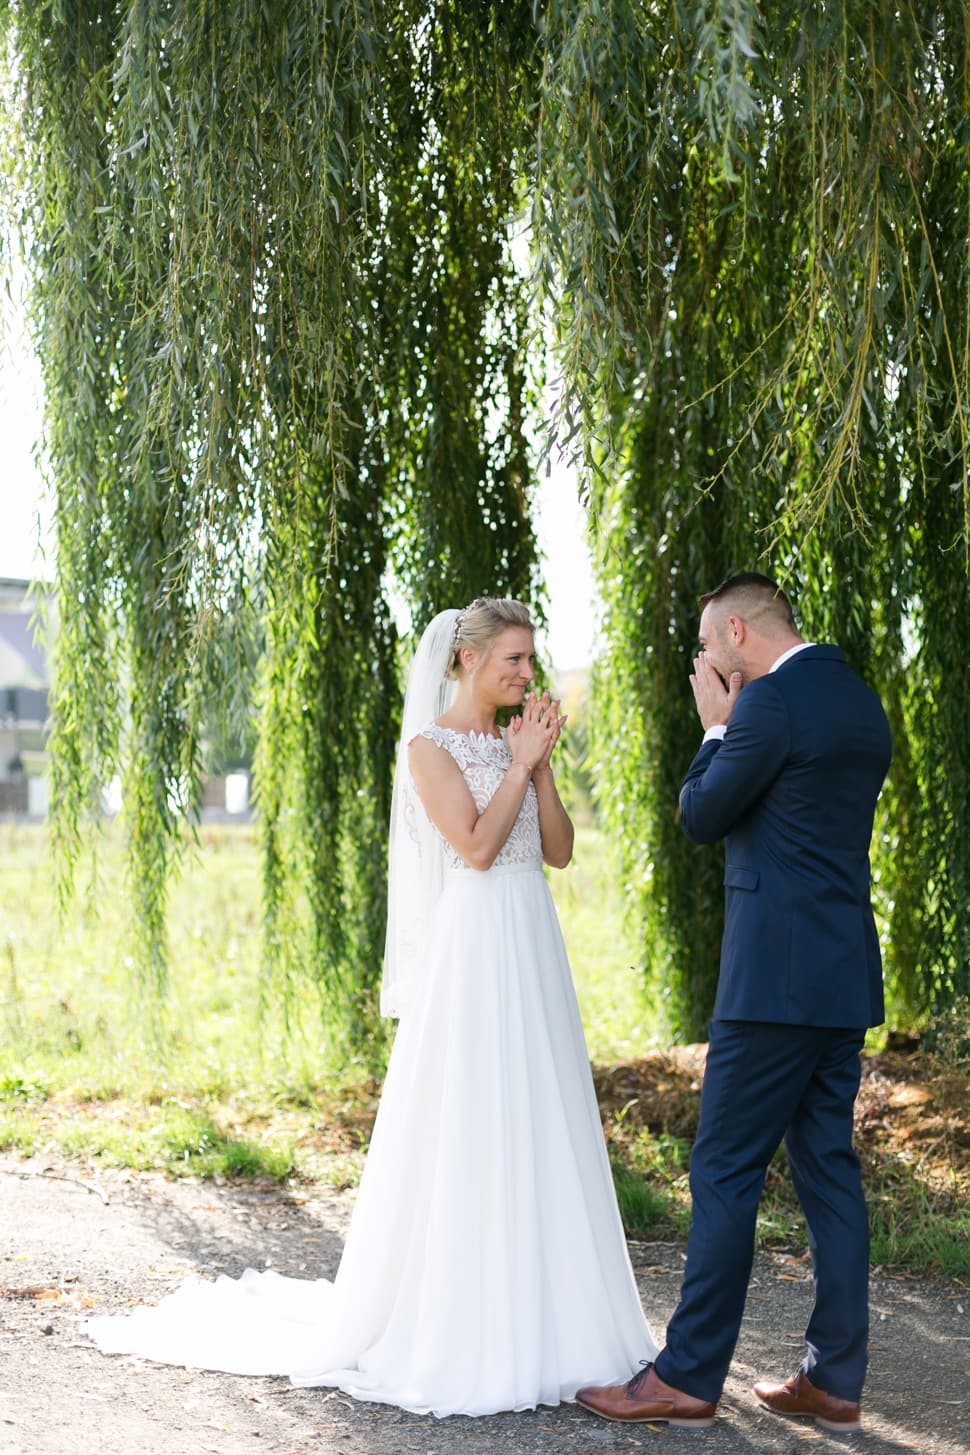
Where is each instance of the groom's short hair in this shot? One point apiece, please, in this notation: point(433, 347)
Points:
point(756, 599)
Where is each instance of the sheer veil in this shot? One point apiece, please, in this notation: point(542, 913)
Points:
point(415, 859)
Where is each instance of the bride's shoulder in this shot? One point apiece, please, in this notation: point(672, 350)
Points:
point(435, 735)
point(435, 732)
point(464, 747)
point(431, 750)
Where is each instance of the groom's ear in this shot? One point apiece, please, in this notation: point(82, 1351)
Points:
point(737, 629)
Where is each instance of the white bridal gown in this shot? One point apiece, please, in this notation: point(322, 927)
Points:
point(485, 1267)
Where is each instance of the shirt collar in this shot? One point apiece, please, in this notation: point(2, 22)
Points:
point(786, 656)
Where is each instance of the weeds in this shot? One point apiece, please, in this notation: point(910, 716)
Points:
point(650, 1177)
point(19, 1089)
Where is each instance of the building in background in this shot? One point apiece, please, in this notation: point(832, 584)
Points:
point(25, 679)
point(24, 688)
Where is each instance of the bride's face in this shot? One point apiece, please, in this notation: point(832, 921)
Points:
point(503, 673)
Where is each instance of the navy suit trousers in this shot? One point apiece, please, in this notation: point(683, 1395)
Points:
point(766, 1083)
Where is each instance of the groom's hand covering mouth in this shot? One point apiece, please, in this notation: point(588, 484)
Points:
point(714, 697)
point(702, 652)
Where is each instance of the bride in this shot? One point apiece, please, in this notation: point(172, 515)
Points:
point(485, 1266)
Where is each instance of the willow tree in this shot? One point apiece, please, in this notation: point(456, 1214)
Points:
point(282, 336)
point(287, 344)
point(760, 217)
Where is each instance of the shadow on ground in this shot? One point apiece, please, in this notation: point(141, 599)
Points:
point(72, 1241)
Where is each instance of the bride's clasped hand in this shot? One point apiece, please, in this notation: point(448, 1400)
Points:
point(534, 733)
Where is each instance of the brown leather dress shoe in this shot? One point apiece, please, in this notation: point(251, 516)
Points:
point(646, 1397)
point(799, 1396)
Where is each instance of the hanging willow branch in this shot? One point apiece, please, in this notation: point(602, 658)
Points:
point(287, 351)
point(280, 326)
point(818, 134)
point(758, 218)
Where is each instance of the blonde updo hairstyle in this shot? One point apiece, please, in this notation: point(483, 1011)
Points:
point(479, 623)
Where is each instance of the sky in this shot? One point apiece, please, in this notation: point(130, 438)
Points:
point(25, 520)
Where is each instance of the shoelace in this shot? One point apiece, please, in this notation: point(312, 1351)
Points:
point(633, 1385)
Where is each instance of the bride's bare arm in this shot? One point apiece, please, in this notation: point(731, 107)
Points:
point(477, 837)
point(555, 825)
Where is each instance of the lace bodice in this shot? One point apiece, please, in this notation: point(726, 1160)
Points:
point(483, 761)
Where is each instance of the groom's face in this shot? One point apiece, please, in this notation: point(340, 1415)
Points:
point(718, 643)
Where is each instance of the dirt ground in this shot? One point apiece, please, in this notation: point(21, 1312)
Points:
point(74, 1239)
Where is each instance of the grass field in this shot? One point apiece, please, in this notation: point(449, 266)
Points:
point(237, 1094)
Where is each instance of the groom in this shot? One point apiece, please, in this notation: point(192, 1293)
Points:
point(795, 751)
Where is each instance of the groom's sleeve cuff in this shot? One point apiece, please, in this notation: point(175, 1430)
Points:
point(715, 733)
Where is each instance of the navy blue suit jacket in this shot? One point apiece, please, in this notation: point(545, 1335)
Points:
point(792, 788)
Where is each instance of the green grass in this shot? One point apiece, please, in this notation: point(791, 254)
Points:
point(177, 1138)
point(619, 1022)
point(239, 1095)
point(650, 1177)
point(912, 1227)
point(238, 1092)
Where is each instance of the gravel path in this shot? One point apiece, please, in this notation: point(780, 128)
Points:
point(73, 1240)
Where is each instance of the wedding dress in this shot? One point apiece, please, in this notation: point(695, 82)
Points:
point(485, 1266)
